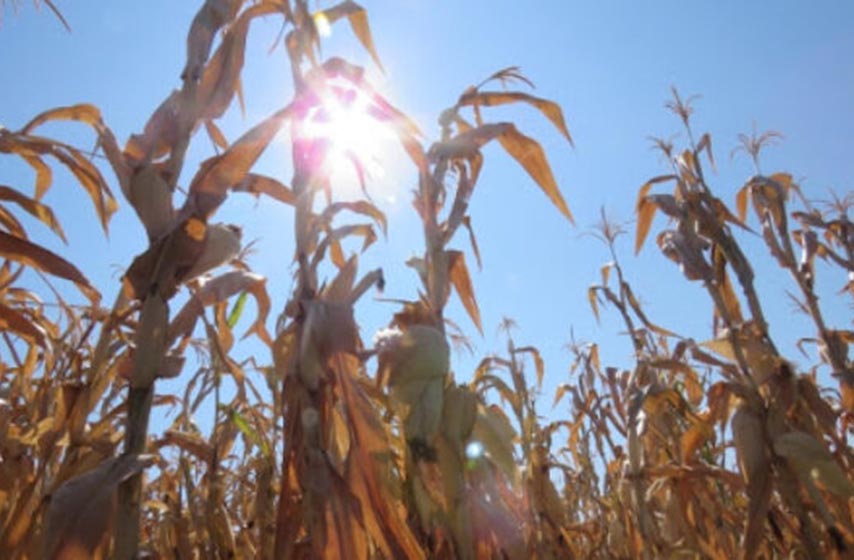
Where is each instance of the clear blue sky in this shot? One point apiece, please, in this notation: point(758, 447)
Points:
point(785, 65)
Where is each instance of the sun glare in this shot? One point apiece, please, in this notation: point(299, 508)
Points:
point(359, 143)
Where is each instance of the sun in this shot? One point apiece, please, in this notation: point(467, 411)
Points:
point(358, 143)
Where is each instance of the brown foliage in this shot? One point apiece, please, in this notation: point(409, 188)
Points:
point(339, 458)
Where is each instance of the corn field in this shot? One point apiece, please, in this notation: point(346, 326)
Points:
point(326, 445)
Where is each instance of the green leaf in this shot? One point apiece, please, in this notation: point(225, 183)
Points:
point(237, 310)
point(248, 432)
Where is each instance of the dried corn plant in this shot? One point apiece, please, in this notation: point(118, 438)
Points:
point(323, 446)
point(671, 489)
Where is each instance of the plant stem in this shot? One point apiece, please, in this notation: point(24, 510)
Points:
point(130, 491)
point(150, 347)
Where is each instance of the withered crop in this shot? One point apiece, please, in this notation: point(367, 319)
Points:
point(333, 448)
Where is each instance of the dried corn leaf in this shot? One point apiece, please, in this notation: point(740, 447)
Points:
point(538, 362)
point(12, 320)
point(208, 20)
point(494, 431)
point(38, 257)
point(549, 109)
point(530, 155)
point(191, 443)
point(261, 184)
point(813, 462)
point(84, 112)
point(458, 274)
point(79, 514)
point(216, 135)
point(362, 207)
point(645, 210)
point(218, 290)
point(33, 207)
point(358, 18)
point(217, 175)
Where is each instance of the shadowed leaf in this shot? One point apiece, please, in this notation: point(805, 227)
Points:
point(38, 257)
point(80, 510)
point(14, 321)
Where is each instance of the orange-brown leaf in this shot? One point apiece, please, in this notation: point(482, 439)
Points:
point(741, 200)
point(594, 302)
point(33, 255)
point(218, 290)
point(44, 175)
point(80, 510)
point(466, 143)
point(216, 135)
point(83, 112)
point(359, 207)
point(209, 19)
point(459, 276)
point(223, 172)
point(14, 321)
point(549, 109)
point(538, 362)
point(220, 79)
point(645, 209)
point(646, 212)
point(35, 208)
point(530, 155)
point(261, 184)
point(191, 443)
point(358, 18)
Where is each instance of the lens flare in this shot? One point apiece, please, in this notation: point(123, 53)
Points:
point(474, 450)
point(358, 142)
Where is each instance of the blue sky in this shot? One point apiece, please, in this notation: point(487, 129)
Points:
point(783, 65)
